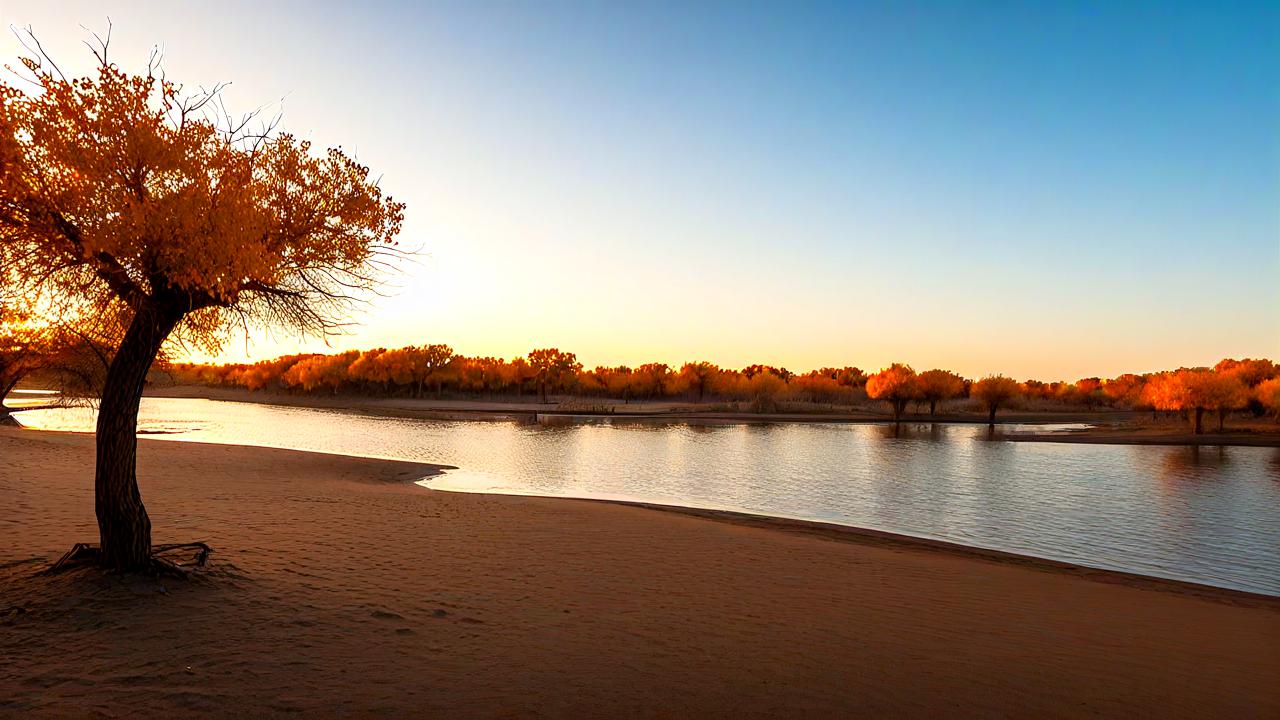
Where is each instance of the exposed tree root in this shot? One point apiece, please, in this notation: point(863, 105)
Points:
point(82, 554)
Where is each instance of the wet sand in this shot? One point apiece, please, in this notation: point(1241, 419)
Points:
point(339, 588)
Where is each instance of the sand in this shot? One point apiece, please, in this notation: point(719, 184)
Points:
point(340, 589)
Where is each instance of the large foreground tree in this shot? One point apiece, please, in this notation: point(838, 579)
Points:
point(118, 193)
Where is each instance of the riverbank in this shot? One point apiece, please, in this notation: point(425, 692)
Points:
point(338, 586)
point(451, 409)
point(1107, 427)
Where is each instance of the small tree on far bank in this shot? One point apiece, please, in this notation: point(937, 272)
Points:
point(995, 391)
point(120, 195)
point(697, 376)
point(939, 385)
point(1268, 393)
point(552, 368)
point(1215, 392)
point(896, 385)
point(428, 363)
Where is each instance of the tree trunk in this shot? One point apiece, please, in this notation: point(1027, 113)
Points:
point(933, 406)
point(991, 416)
point(124, 529)
point(1199, 415)
point(1222, 418)
point(6, 413)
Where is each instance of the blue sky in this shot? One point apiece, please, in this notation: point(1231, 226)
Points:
point(1040, 189)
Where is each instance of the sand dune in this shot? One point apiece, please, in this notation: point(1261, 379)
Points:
point(338, 588)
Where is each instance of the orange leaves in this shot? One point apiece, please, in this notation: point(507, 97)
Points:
point(408, 370)
point(1268, 393)
point(894, 383)
point(938, 385)
point(1214, 390)
point(995, 390)
point(552, 360)
point(1189, 389)
point(115, 178)
point(1165, 391)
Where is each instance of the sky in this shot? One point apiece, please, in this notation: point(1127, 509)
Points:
point(1040, 189)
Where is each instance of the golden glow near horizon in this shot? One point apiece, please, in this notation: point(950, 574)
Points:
point(632, 206)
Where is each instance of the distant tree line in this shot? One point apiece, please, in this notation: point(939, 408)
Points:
point(417, 371)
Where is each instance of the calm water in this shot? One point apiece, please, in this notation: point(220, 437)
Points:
point(1210, 515)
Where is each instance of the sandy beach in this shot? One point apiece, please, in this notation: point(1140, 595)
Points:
point(339, 588)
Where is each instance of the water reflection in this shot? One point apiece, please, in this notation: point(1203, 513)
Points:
point(1210, 514)
point(912, 431)
point(1194, 462)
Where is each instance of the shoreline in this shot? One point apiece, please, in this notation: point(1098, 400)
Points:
point(829, 530)
point(338, 585)
point(840, 532)
point(1102, 430)
point(874, 537)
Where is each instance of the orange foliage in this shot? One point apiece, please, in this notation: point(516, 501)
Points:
point(896, 384)
point(995, 391)
point(1125, 389)
point(391, 372)
point(1268, 393)
point(120, 197)
point(553, 369)
point(1214, 391)
point(937, 385)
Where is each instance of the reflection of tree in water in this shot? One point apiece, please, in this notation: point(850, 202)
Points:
point(914, 431)
point(1194, 462)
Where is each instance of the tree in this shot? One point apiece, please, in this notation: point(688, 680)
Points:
point(1268, 393)
point(937, 385)
point(551, 367)
point(1165, 392)
point(994, 391)
point(619, 382)
point(327, 372)
point(897, 385)
point(1089, 391)
point(1214, 391)
point(1250, 372)
point(426, 363)
point(653, 379)
point(697, 375)
point(1126, 389)
point(371, 367)
point(120, 194)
